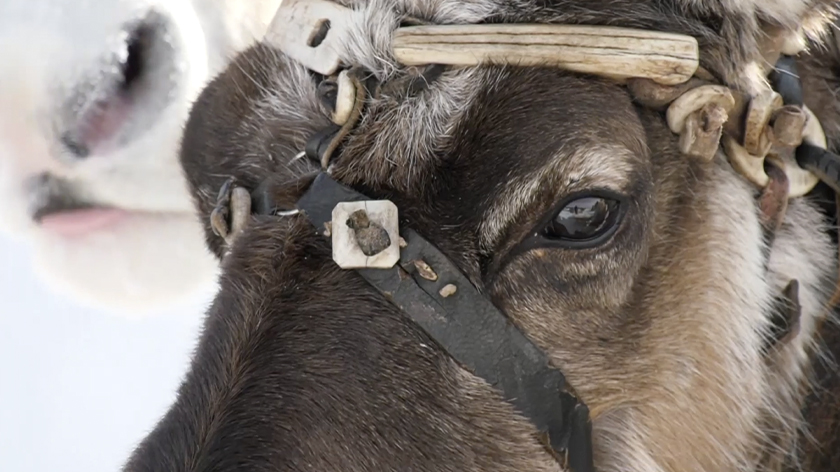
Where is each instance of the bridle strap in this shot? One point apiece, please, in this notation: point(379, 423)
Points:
point(431, 290)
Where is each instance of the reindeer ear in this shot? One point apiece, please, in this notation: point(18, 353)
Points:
point(786, 14)
point(742, 39)
point(790, 24)
point(787, 26)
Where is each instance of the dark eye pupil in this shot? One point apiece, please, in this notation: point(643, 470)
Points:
point(584, 218)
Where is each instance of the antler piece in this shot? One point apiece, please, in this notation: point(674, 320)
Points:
point(813, 133)
point(698, 117)
point(345, 99)
point(788, 125)
point(694, 100)
point(751, 167)
point(761, 109)
point(311, 32)
point(701, 135)
point(801, 180)
point(616, 53)
point(650, 94)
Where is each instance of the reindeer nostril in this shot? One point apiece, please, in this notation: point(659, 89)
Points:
point(124, 92)
point(75, 147)
point(134, 64)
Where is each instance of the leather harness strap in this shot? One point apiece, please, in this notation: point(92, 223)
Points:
point(431, 290)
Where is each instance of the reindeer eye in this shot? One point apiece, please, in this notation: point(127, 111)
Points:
point(585, 219)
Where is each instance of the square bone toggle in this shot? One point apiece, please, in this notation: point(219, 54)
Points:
point(310, 32)
point(365, 234)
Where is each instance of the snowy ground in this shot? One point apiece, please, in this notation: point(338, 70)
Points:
point(79, 387)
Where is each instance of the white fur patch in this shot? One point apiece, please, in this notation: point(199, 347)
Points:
point(48, 49)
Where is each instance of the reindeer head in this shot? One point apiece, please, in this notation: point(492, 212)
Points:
point(646, 275)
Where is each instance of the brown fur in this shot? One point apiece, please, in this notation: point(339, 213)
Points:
point(820, 450)
point(303, 366)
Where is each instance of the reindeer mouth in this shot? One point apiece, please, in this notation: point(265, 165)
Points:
point(128, 93)
point(56, 208)
point(117, 104)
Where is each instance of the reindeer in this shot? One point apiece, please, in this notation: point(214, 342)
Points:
point(641, 226)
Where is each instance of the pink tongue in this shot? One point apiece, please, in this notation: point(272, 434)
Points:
point(80, 222)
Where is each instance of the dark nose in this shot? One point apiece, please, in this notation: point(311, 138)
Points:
point(75, 146)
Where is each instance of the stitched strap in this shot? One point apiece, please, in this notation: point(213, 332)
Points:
point(472, 330)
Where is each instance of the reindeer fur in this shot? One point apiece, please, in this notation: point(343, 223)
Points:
point(820, 447)
point(302, 366)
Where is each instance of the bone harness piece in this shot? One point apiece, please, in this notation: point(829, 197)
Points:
point(661, 69)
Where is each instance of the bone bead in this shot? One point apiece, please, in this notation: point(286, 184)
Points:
point(701, 136)
point(761, 109)
point(694, 100)
point(788, 125)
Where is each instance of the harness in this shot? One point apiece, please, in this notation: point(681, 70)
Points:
point(771, 139)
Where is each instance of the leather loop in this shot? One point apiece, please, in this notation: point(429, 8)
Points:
point(321, 143)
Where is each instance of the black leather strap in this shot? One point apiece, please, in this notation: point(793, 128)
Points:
point(785, 80)
point(470, 328)
point(823, 163)
point(320, 143)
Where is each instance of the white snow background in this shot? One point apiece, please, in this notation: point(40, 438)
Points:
point(79, 387)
